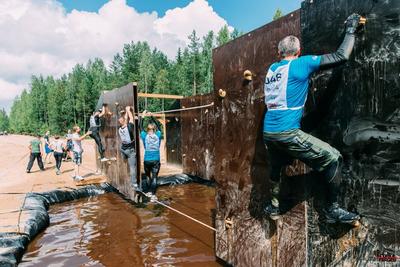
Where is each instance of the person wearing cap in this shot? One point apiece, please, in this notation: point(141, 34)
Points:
point(94, 123)
point(286, 88)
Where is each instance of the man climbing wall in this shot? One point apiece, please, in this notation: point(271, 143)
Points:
point(286, 88)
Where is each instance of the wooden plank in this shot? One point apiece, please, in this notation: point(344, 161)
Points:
point(160, 96)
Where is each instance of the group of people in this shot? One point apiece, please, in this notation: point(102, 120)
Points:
point(72, 147)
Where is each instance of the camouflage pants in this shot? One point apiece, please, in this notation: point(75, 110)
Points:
point(284, 147)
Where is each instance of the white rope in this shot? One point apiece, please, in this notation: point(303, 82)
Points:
point(181, 109)
point(181, 213)
point(187, 216)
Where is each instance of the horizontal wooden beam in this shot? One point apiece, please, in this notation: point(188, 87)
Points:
point(160, 96)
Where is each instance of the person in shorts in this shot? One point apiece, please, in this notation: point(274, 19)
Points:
point(77, 151)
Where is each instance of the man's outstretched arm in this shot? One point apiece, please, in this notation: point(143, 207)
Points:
point(344, 51)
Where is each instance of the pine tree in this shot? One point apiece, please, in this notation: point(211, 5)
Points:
point(278, 14)
point(194, 58)
point(223, 36)
point(4, 122)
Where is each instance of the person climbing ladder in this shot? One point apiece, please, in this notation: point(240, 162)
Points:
point(286, 88)
point(94, 123)
point(151, 141)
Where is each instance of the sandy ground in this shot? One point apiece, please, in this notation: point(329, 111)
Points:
point(15, 182)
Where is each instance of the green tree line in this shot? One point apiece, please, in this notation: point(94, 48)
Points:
point(56, 104)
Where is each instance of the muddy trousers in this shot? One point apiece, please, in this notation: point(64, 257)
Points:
point(38, 157)
point(130, 155)
point(96, 136)
point(151, 169)
point(58, 157)
point(284, 147)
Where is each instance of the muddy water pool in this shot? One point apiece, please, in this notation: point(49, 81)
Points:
point(106, 230)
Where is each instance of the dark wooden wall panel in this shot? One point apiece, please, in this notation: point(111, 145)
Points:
point(357, 110)
point(174, 134)
point(241, 165)
point(117, 171)
point(198, 142)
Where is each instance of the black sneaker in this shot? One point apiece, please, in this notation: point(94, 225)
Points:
point(272, 211)
point(28, 171)
point(336, 214)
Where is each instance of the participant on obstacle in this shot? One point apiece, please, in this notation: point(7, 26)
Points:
point(77, 150)
point(58, 147)
point(127, 136)
point(94, 123)
point(47, 148)
point(35, 153)
point(151, 141)
point(286, 88)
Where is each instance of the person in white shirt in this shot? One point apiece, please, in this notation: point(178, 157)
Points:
point(58, 147)
point(77, 150)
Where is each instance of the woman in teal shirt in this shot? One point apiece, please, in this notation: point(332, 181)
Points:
point(151, 141)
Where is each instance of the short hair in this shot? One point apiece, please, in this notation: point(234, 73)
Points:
point(289, 46)
point(75, 128)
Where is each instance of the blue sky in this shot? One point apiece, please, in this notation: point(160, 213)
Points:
point(243, 15)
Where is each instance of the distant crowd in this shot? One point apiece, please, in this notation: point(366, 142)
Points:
point(66, 149)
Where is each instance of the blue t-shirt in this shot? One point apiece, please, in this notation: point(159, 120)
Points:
point(151, 143)
point(286, 89)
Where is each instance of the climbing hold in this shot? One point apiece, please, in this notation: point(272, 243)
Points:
point(228, 223)
point(116, 103)
point(247, 75)
point(222, 93)
point(194, 160)
point(195, 119)
point(206, 111)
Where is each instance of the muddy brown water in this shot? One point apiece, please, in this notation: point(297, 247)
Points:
point(106, 230)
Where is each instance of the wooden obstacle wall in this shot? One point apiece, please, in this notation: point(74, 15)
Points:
point(117, 171)
point(241, 165)
point(356, 108)
point(197, 133)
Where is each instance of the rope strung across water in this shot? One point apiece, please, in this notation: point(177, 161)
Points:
point(181, 213)
point(182, 109)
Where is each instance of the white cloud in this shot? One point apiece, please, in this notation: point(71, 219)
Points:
point(40, 37)
point(9, 90)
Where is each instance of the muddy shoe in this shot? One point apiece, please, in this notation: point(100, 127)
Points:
point(335, 214)
point(272, 211)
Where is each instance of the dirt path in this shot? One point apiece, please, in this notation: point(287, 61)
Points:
point(15, 182)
